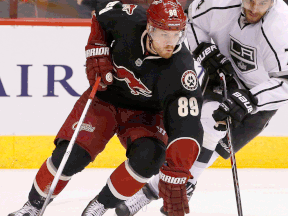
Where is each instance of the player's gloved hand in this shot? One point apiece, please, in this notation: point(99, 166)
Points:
point(209, 56)
point(98, 63)
point(238, 104)
point(172, 188)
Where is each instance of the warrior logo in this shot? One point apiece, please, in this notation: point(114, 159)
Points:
point(129, 8)
point(84, 126)
point(172, 179)
point(189, 80)
point(244, 57)
point(135, 85)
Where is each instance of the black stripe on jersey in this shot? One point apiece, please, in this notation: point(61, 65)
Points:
point(274, 87)
point(276, 56)
point(269, 90)
point(286, 50)
point(271, 102)
point(283, 77)
point(192, 27)
point(216, 8)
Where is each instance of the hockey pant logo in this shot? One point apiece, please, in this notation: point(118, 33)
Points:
point(84, 127)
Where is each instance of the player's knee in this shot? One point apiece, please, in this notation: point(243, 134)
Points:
point(146, 156)
point(78, 159)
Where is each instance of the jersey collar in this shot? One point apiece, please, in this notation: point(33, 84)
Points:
point(242, 21)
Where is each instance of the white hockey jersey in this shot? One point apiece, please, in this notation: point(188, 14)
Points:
point(258, 52)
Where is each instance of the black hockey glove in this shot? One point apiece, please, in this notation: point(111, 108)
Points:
point(238, 104)
point(209, 56)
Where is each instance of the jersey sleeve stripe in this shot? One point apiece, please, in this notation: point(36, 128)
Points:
point(269, 89)
point(216, 8)
point(276, 56)
point(272, 102)
point(194, 33)
point(281, 74)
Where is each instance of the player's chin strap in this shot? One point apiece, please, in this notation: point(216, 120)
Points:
point(150, 42)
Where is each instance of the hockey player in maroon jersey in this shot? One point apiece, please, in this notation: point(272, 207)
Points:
point(251, 38)
point(149, 96)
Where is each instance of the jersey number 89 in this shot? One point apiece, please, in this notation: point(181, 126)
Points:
point(188, 106)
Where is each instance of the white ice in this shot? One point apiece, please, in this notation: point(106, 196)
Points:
point(263, 192)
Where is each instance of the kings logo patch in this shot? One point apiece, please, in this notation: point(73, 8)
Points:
point(244, 57)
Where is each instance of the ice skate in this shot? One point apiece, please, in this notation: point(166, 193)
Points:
point(136, 202)
point(26, 210)
point(189, 190)
point(94, 208)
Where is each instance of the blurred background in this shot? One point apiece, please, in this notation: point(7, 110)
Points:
point(57, 8)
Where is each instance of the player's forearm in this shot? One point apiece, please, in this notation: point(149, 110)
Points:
point(97, 35)
point(271, 94)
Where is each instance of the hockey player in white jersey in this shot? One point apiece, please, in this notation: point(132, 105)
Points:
point(252, 36)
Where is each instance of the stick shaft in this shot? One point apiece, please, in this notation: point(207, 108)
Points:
point(232, 154)
point(70, 146)
point(205, 81)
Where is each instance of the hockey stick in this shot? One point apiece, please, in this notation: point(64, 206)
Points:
point(232, 154)
point(70, 146)
point(205, 81)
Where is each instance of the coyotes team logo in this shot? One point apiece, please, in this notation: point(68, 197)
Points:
point(129, 8)
point(134, 84)
point(189, 80)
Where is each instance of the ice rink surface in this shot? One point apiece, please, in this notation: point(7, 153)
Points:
point(263, 192)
